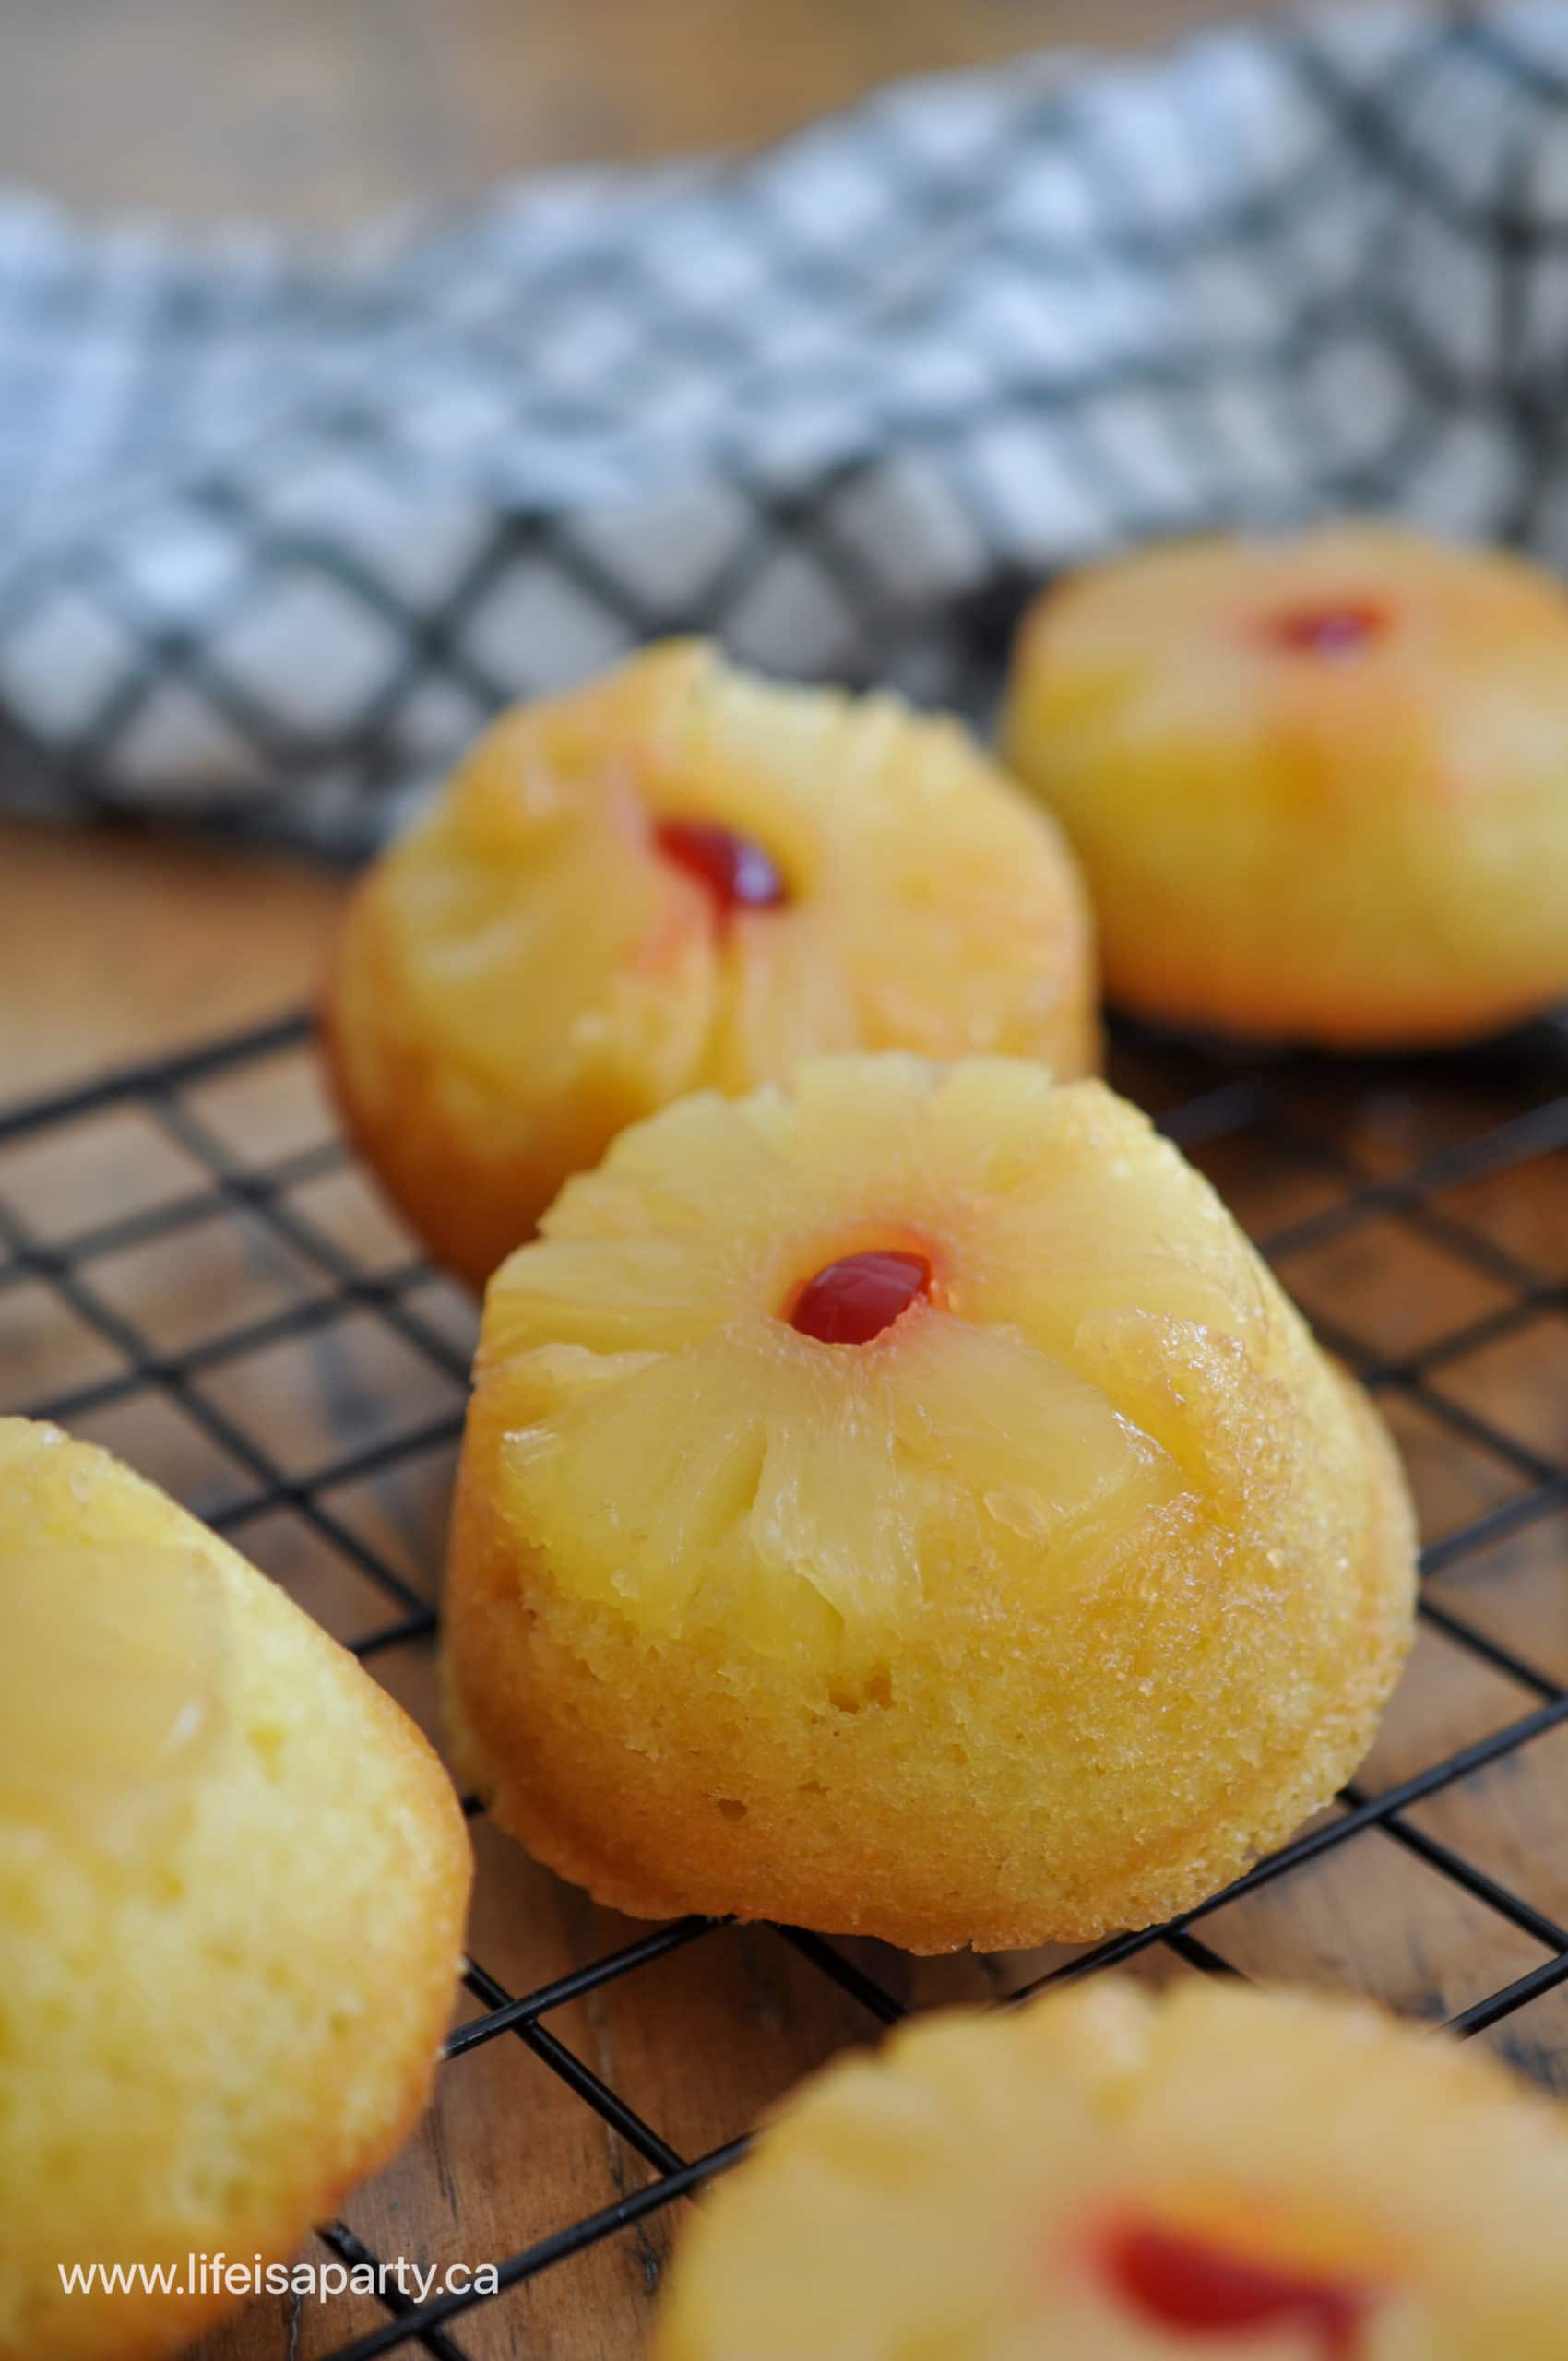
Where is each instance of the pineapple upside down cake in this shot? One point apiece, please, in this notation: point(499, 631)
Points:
point(232, 1884)
point(908, 1506)
point(1217, 2174)
point(1319, 784)
point(682, 877)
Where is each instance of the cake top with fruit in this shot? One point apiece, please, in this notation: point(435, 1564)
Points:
point(1339, 616)
point(902, 1335)
point(1217, 2172)
point(682, 877)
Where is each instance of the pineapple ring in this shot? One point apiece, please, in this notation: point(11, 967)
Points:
point(1317, 784)
point(1038, 1613)
point(233, 1879)
point(1255, 2176)
point(679, 878)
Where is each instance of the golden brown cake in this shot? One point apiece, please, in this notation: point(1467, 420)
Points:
point(1318, 784)
point(232, 1881)
point(909, 1507)
point(682, 877)
point(1106, 2176)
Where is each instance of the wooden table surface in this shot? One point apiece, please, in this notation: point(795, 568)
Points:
point(113, 943)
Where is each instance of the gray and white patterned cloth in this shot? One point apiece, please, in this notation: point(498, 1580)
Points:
point(278, 528)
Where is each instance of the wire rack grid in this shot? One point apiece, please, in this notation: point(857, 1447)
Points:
point(192, 1271)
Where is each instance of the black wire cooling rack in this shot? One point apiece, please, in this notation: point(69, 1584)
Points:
point(195, 1272)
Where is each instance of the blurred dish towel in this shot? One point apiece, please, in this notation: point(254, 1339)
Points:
point(279, 529)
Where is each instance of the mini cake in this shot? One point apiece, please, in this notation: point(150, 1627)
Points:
point(1318, 784)
point(233, 1879)
point(1253, 2175)
point(682, 877)
point(909, 1508)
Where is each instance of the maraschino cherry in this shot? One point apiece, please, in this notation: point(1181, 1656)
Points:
point(1338, 631)
point(1194, 2287)
point(737, 872)
point(851, 1300)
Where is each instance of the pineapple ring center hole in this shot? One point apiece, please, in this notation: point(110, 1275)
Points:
point(1339, 630)
point(1197, 2288)
point(735, 871)
point(853, 1299)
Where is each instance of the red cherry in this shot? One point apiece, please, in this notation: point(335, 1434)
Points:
point(1199, 2290)
point(1339, 633)
point(738, 873)
point(851, 1300)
